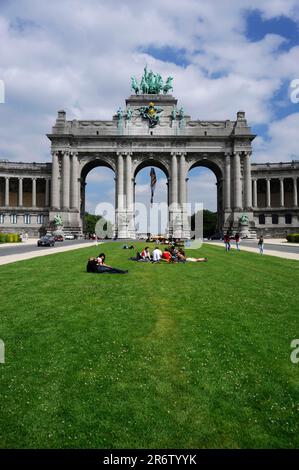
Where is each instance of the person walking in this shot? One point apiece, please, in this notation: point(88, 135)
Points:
point(237, 240)
point(227, 241)
point(261, 244)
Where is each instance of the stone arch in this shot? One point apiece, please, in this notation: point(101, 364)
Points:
point(147, 161)
point(87, 164)
point(214, 164)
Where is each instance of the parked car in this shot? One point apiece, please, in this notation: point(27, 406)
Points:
point(69, 237)
point(59, 238)
point(46, 241)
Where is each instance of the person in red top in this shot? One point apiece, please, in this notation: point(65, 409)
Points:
point(146, 254)
point(227, 241)
point(166, 256)
point(237, 240)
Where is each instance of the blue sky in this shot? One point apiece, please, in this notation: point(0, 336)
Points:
point(224, 55)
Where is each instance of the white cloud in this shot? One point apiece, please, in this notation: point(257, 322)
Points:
point(282, 144)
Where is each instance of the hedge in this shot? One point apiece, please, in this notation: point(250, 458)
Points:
point(293, 237)
point(9, 238)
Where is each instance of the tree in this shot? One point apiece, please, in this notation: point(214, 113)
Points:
point(90, 221)
point(209, 222)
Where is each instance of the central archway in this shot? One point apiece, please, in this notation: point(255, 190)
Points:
point(157, 214)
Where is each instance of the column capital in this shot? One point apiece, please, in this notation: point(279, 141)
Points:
point(174, 154)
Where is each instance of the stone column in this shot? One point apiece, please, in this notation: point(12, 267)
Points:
point(129, 186)
point(247, 181)
point(20, 192)
point(66, 181)
point(174, 179)
point(74, 182)
point(182, 180)
point(47, 193)
point(6, 200)
point(120, 181)
point(268, 192)
point(238, 186)
point(227, 196)
point(33, 192)
point(254, 193)
point(295, 192)
point(281, 180)
point(55, 183)
point(186, 188)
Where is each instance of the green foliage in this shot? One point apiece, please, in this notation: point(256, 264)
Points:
point(90, 221)
point(209, 222)
point(203, 362)
point(293, 237)
point(9, 238)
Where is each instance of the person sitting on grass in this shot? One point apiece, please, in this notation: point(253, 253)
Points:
point(181, 257)
point(157, 254)
point(146, 254)
point(98, 265)
point(166, 256)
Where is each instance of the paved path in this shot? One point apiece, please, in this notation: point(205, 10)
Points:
point(272, 247)
point(12, 252)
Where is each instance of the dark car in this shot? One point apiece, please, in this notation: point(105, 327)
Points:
point(47, 240)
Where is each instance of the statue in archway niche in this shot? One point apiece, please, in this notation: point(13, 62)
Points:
point(58, 220)
point(244, 220)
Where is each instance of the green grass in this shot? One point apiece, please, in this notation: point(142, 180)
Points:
point(168, 356)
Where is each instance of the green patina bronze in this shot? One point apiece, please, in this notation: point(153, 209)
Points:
point(151, 113)
point(244, 219)
point(151, 84)
point(58, 220)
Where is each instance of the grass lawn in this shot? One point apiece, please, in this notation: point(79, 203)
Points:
point(168, 356)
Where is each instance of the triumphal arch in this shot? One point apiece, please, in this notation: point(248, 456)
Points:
point(151, 130)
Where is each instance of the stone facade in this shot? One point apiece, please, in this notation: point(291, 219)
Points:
point(126, 144)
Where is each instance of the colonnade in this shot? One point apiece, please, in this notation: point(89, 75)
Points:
point(268, 191)
point(8, 178)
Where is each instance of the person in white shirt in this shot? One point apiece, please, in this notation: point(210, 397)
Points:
point(157, 255)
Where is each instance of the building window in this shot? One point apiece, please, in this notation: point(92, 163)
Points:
point(1, 218)
point(27, 219)
point(262, 219)
point(40, 219)
point(274, 219)
point(288, 218)
point(13, 218)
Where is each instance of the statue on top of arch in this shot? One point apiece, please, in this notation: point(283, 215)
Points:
point(151, 83)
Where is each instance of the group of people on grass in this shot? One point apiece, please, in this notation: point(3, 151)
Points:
point(227, 242)
point(171, 254)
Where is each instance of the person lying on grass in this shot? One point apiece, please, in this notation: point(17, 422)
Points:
point(182, 258)
point(98, 265)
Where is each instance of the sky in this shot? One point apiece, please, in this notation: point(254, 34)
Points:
point(224, 55)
